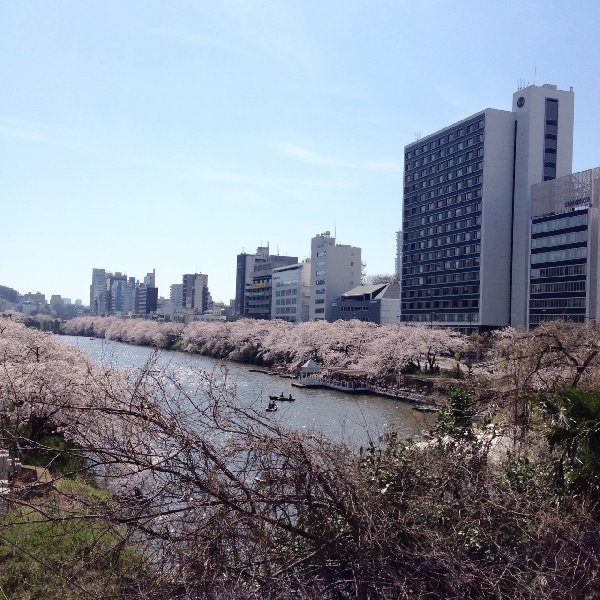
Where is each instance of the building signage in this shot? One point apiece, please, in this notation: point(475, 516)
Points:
point(578, 202)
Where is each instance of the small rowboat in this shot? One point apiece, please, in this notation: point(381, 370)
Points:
point(282, 398)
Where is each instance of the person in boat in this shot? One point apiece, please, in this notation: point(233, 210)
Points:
point(272, 405)
point(281, 395)
point(290, 397)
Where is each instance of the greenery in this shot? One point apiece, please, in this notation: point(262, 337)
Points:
point(572, 428)
point(65, 555)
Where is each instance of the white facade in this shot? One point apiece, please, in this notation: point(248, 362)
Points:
point(291, 292)
point(176, 296)
point(335, 269)
point(496, 220)
point(529, 109)
point(398, 261)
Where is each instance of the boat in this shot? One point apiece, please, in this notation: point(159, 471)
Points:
point(426, 408)
point(272, 407)
point(283, 398)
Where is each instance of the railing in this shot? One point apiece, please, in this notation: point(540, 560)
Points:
point(399, 393)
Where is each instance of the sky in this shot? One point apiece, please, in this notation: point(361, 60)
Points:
point(140, 135)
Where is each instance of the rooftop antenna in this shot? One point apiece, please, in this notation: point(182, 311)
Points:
point(277, 249)
point(534, 74)
point(417, 136)
point(335, 230)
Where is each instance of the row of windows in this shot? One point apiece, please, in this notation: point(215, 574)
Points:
point(448, 214)
point(322, 253)
point(463, 197)
point(561, 239)
point(464, 263)
point(320, 282)
point(453, 161)
point(288, 292)
point(433, 279)
point(447, 253)
point(440, 304)
point(450, 291)
point(559, 255)
point(443, 317)
point(319, 311)
point(535, 319)
point(565, 271)
point(448, 175)
point(425, 256)
point(550, 129)
point(447, 189)
point(562, 286)
point(441, 279)
point(353, 308)
point(444, 139)
point(443, 240)
point(575, 220)
point(320, 301)
point(285, 301)
point(285, 310)
point(557, 303)
point(445, 214)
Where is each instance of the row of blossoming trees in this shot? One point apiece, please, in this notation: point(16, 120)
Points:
point(376, 349)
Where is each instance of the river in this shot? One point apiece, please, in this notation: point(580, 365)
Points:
point(353, 418)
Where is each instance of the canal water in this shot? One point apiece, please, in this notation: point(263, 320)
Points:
point(353, 418)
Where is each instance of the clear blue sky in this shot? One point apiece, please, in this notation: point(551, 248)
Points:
point(172, 135)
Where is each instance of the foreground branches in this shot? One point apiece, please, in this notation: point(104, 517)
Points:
point(222, 501)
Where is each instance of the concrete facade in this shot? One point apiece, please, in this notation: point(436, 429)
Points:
point(291, 292)
point(335, 268)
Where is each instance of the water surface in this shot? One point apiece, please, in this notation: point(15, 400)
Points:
point(354, 418)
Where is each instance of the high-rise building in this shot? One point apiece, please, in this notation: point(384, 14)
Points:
point(335, 268)
point(176, 295)
point(150, 279)
point(98, 292)
point(146, 299)
point(467, 209)
point(565, 242)
point(194, 292)
point(8, 294)
point(117, 293)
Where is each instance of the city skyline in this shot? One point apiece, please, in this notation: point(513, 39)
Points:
point(175, 137)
